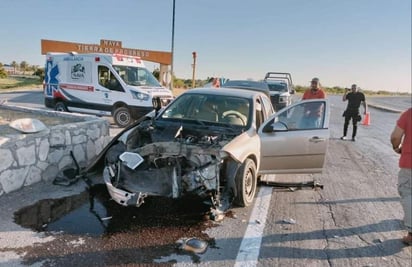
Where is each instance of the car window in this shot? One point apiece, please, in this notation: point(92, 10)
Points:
point(136, 76)
point(210, 108)
point(183, 107)
point(278, 87)
point(103, 73)
point(304, 116)
point(108, 79)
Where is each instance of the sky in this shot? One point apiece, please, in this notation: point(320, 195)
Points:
point(367, 42)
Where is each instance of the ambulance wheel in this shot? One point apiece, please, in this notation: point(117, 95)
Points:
point(60, 106)
point(122, 117)
point(246, 183)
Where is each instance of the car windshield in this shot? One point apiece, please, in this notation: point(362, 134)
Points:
point(136, 76)
point(278, 87)
point(224, 110)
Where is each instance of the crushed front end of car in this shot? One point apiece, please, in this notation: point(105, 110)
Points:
point(170, 161)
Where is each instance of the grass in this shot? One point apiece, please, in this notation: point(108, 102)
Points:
point(22, 82)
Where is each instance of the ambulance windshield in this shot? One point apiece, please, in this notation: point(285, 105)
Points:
point(136, 76)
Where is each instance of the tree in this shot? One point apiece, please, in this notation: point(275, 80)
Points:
point(178, 83)
point(33, 68)
point(24, 66)
point(3, 73)
point(14, 65)
point(39, 72)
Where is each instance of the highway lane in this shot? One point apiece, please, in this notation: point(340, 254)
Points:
point(27, 98)
point(396, 102)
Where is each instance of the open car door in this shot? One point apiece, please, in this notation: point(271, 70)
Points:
point(295, 139)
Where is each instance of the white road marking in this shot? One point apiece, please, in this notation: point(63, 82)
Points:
point(250, 247)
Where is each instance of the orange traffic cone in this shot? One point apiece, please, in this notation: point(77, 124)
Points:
point(367, 119)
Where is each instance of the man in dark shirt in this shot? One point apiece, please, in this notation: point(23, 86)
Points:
point(354, 98)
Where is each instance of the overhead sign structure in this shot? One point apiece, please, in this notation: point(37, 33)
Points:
point(107, 47)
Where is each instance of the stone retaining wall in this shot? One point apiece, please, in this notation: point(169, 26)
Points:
point(26, 159)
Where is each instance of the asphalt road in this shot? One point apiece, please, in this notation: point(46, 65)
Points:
point(356, 220)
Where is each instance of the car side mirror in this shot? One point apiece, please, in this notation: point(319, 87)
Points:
point(292, 91)
point(157, 104)
point(279, 127)
point(275, 127)
point(268, 128)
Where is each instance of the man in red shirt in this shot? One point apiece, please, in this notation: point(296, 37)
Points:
point(314, 91)
point(401, 139)
point(313, 111)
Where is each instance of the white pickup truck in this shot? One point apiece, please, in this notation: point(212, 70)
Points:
point(281, 88)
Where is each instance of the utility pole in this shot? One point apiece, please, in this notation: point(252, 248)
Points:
point(194, 70)
point(173, 45)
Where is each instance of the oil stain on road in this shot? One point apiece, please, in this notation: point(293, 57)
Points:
point(92, 230)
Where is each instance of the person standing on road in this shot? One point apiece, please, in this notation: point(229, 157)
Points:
point(355, 98)
point(313, 111)
point(315, 91)
point(401, 139)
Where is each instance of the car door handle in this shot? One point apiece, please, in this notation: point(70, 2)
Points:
point(317, 139)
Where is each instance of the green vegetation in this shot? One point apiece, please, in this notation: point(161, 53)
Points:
point(181, 83)
point(3, 73)
point(20, 81)
point(21, 75)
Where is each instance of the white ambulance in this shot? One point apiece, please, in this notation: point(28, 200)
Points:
point(101, 84)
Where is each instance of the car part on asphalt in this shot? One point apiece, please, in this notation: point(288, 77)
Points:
point(299, 185)
point(193, 245)
point(69, 175)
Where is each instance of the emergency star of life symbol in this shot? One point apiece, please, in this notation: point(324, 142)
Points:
point(51, 78)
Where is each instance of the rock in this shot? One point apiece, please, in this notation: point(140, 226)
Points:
point(28, 125)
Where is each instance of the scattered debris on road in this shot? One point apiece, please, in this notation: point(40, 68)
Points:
point(192, 245)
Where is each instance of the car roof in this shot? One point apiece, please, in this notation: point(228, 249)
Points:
point(248, 85)
point(226, 92)
point(245, 84)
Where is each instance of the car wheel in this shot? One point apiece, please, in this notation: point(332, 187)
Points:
point(122, 117)
point(60, 106)
point(246, 181)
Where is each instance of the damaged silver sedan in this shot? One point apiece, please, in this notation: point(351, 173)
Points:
point(212, 143)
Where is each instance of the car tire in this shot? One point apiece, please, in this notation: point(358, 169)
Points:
point(246, 182)
point(60, 106)
point(122, 117)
